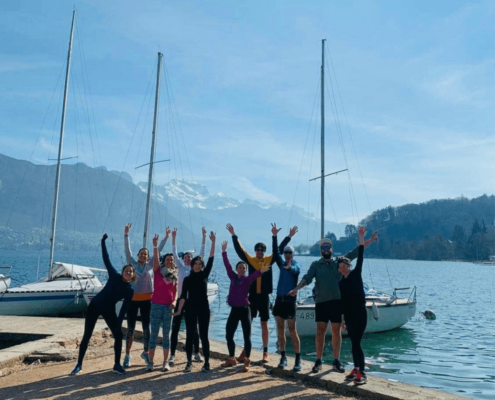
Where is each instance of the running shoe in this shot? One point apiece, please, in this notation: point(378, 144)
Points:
point(165, 367)
point(77, 369)
point(198, 358)
point(206, 367)
point(145, 357)
point(188, 367)
point(127, 360)
point(297, 366)
point(150, 366)
point(352, 375)
point(117, 369)
point(171, 360)
point(337, 366)
point(283, 362)
point(317, 367)
point(360, 378)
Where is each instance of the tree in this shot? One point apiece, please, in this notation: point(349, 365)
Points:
point(331, 236)
point(301, 248)
point(350, 230)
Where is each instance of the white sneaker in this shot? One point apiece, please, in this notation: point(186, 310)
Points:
point(198, 358)
point(165, 367)
point(171, 361)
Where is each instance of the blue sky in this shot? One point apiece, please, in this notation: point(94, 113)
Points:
point(416, 80)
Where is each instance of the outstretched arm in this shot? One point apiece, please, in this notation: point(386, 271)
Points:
point(156, 254)
point(359, 264)
point(164, 240)
point(287, 239)
point(209, 264)
point(226, 262)
point(106, 258)
point(275, 254)
point(127, 245)
point(203, 243)
point(373, 238)
point(243, 255)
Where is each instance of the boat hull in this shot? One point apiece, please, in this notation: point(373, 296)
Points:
point(4, 283)
point(390, 317)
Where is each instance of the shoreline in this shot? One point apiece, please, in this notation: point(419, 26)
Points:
point(60, 344)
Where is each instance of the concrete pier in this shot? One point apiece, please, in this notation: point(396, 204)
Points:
point(57, 339)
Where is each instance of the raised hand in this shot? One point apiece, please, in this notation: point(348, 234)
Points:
point(203, 231)
point(275, 231)
point(127, 228)
point(230, 228)
point(374, 237)
point(293, 231)
point(213, 236)
point(167, 232)
point(362, 230)
point(224, 245)
point(155, 240)
point(105, 237)
point(174, 233)
point(265, 268)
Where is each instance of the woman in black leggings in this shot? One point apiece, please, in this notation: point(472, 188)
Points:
point(240, 310)
point(118, 287)
point(354, 303)
point(194, 295)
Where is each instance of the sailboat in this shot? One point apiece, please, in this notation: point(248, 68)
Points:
point(385, 311)
point(61, 292)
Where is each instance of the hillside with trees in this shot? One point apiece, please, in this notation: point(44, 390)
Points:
point(451, 229)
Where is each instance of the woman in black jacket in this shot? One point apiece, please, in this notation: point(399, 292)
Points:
point(195, 297)
point(118, 287)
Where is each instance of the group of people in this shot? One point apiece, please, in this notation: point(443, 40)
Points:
point(164, 289)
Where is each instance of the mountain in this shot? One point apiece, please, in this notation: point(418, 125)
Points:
point(94, 200)
point(251, 219)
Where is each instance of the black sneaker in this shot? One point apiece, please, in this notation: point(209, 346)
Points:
point(188, 367)
point(206, 367)
point(297, 366)
point(117, 369)
point(337, 366)
point(283, 362)
point(317, 367)
point(360, 378)
point(76, 370)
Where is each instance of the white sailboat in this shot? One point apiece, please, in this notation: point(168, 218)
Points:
point(385, 311)
point(61, 292)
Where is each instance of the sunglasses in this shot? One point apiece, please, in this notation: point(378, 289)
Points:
point(287, 252)
point(326, 247)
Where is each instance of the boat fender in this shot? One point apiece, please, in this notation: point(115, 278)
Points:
point(429, 314)
point(376, 313)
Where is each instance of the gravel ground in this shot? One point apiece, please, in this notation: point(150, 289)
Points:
point(52, 381)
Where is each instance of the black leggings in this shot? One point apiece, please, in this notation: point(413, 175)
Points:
point(110, 318)
point(174, 337)
point(237, 314)
point(195, 317)
point(356, 320)
point(144, 306)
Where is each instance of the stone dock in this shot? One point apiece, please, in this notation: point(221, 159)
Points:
point(42, 340)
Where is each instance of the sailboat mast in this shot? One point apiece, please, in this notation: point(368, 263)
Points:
point(152, 155)
point(60, 144)
point(322, 138)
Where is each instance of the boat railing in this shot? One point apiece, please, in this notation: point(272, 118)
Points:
point(6, 267)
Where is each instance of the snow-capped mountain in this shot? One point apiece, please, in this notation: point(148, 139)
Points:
point(250, 217)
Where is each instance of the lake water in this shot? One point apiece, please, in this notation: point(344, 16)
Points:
point(454, 353)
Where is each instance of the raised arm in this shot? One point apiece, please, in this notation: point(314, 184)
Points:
point(156, 254)
point(228, 266)
point(275, 253)
point(373, 238)
point(237, 245)
point(164, 240)
point(178, 261)
point(127, 245)
point(287, 239)
point(359, 265)
point(106, 258)
point(209, 264)
point(203, 243)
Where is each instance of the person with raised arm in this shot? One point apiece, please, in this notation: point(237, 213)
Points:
point(354, 305)
point(285, 304)
point(118, 287)
point(328, 305)
point(162, 302)
point(141, 301)
point(183, 263)
point(195, 298)
point(239, 311)
point(260, 289)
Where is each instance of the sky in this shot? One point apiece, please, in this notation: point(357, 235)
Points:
point(409, 95)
